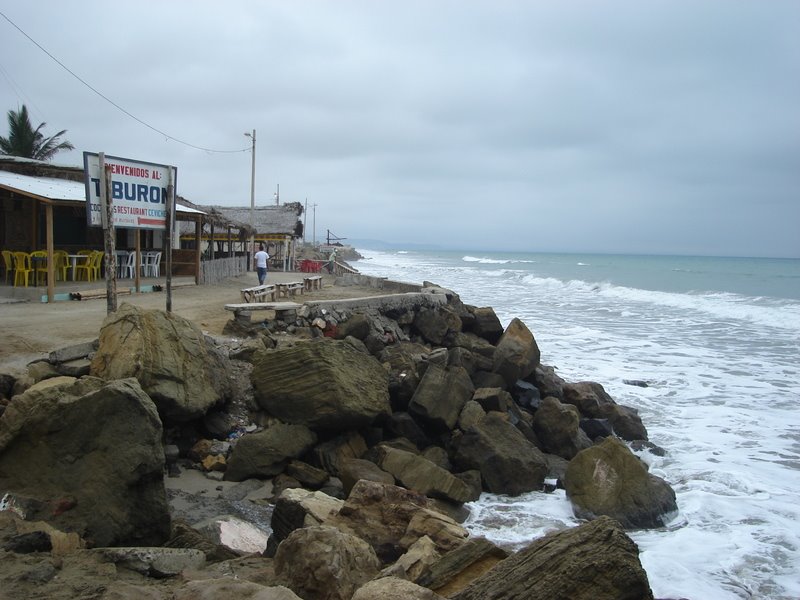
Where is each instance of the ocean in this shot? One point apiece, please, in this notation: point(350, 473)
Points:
point(717, 340)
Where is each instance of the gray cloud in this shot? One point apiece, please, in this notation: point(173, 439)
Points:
point(663, 127)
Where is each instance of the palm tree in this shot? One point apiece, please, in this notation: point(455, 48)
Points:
point(23, 140)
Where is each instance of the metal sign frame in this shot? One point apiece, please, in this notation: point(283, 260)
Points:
point(139, 192)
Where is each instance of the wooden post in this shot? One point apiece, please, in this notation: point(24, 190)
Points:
point(138, 249)
point(169, 225)
point(198, 235)
point(107, 217)
point(51, 269)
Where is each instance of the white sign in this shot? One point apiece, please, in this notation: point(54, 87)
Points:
point(138, 191)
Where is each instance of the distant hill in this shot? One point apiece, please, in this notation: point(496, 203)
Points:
point(381, 245)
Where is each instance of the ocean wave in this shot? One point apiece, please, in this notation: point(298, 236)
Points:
point(495, 261)
point(780, 314)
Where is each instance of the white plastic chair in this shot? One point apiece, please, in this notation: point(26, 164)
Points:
point(155, 264)
point(128, 268)
point(144, 264)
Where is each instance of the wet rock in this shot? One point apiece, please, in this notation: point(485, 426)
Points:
point(517, 353)
point(508, 463)
point(594, 402)
point(595, 561)
point(608, 479)
point(557, 427)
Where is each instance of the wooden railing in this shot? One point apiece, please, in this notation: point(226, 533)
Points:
point(342, 268)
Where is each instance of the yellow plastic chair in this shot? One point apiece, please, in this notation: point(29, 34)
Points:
point(83, 268)
point(39, 264)
point(97, 263)
point(22, 268)
point(61, 258)
point(8, 263)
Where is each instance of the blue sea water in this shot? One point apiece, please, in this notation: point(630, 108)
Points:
point(718, 342)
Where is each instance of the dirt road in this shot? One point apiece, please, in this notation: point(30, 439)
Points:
point(30, 330)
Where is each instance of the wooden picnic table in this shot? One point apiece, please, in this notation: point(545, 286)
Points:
point(312, 282)
point(258, 293)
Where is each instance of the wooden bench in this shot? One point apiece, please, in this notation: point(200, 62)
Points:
point(258, 293)
point(313, 282)
point(283, 310)
point(289, 289)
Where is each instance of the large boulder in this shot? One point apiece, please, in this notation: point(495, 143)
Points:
point(608, 479)
point(394, 588)
point(517, 353)
point(509, 463)
point(332, 454)
point(403, 360)
point(594, 402)
point(548, 382)
point(214, 589)
point(173, 361)
point(382, 515)
point(296, 508)
point(435, 324)
point(417, 473)
point(557, 427)
point(440, 396)
point(456, 569)
point(266, 453)
point(595, 561)
point(482, 351)
point(354, 469)
point(88, 455)
point(486, 324)
point(323, 384)
point(324, 563)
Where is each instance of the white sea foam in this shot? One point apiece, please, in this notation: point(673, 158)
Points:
point(723, 398)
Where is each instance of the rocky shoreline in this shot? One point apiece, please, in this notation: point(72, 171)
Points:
point(358, 427)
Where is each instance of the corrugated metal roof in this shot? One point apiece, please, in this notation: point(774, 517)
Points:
point(56, 189)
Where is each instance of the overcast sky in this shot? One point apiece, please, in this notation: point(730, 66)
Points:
point(599, 126)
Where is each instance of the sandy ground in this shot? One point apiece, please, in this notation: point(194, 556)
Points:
point(30, 330)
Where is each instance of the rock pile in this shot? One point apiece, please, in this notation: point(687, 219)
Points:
point(375, 423)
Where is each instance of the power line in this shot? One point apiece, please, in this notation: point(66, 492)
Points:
point(110, 101)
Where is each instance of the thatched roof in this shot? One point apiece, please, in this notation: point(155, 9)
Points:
point(283, 219)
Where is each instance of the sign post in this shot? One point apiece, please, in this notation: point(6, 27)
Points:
point(139, 195)
point(108, 235)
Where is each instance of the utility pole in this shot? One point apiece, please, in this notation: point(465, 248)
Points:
point(314, 207)
point(252, 198)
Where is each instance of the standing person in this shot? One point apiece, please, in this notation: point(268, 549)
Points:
point(332, 261)
point(260, 260)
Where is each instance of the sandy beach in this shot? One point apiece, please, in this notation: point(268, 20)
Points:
point(30, 330)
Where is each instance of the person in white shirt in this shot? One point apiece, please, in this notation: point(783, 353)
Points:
point(260, 260)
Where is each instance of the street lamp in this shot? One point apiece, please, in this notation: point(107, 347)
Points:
point(252, 193)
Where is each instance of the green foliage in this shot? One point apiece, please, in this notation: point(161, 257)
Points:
point(23, 140)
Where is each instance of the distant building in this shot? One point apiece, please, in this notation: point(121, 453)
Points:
point(277, 227)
